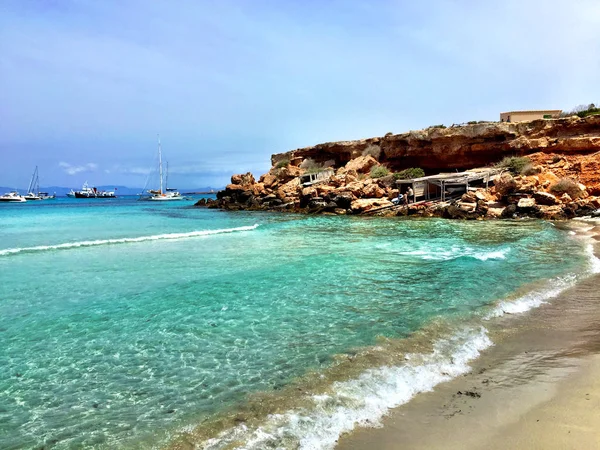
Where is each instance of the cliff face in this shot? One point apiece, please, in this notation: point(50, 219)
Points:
point(462, 147)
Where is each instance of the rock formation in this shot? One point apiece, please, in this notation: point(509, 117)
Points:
point(563, 151)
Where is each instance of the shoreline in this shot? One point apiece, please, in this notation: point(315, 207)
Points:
point(500, 328)
point(537, 387)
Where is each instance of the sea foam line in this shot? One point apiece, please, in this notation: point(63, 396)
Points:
point(361, 401)
point(156, 237)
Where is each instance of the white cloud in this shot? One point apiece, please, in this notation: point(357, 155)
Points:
point(71, 169)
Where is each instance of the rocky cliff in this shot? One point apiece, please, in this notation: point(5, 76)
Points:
point(561, 178)
point(461, 147)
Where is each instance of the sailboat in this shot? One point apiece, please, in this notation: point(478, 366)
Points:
point(166, 193)
point(33, 191)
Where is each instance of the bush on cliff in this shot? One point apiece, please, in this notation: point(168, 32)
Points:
point(566, 186)
point(408, 174)
point(515, 164)
point(283, 163)
point(372, 150)
point(379, 171)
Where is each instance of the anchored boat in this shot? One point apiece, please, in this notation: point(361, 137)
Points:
point(162, 194)
point(33, 191)
point(12, 197)
point(91, 192)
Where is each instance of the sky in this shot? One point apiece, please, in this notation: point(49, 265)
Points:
point(87, 85)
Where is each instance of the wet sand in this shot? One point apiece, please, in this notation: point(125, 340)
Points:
point(538, 387)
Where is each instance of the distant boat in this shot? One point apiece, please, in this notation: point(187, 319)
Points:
point(12, 197)
point(90, 192)
point(33, 191)
point(166, 194)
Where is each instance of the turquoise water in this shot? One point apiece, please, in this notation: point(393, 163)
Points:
point(122, 322)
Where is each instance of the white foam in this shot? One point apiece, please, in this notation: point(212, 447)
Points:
point(533, 299)
point(362, 401)
point(156, 237)
point(445, 254)
point(556, 287)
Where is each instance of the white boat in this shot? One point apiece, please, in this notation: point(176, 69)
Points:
point(162, 194)
point(12, 197)
point(33, 191)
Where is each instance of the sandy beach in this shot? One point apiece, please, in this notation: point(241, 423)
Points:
point(537, 388)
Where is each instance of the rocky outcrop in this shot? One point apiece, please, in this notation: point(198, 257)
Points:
point(362, 184)
point(461, 147)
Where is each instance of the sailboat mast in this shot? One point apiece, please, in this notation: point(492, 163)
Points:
point(160, 166)
point(37, 181)
point(167, 177)
point(29, 189)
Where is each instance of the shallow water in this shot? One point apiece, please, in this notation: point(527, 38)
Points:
point(123, 323)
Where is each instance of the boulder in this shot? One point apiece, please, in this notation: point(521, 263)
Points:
point(343, 200)
point(258, 189)
point(362, 164)
point(269, 180)
point(545, 198)
point(373, 191)
point(555, 212)
point(366, 204)
point(526, 203)
point(509, 212)
point(505, 185)
point(467, 207)
point(243, 179)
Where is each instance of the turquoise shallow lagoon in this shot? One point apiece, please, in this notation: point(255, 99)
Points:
point(123, 323)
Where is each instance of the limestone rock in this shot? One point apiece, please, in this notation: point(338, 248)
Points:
point(526, 203)
point(373, 191)
point(243, 179)
point(366, 204)
point(545, 198)
point(362, 164)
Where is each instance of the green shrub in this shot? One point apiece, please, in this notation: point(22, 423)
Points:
point(379, 171)
point(566, 186)
point(282, 163)
point(441, 125)
point(515, 164)
point(409, 174)
point(372, 150)
point(472, 122)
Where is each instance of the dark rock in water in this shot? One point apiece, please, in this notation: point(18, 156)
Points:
point(509, 211)
point(454, 212)
point(201, 202)
point(343, 201)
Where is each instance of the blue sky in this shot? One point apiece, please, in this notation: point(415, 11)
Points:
point(87, 85)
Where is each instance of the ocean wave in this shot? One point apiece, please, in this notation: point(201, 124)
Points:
point(533, 299)
point(555, 287)
point(441, 254)
point(362, 401)
point(156, 237)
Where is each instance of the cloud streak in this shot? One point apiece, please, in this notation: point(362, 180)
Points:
point(71, 169)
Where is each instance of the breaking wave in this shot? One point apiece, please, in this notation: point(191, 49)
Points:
point(362, 401)
point(156, 237)
point(444, 254)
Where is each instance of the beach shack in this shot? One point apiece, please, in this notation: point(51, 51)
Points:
point(317, 177)
point(438, 187)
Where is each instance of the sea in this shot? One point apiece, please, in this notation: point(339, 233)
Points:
point(130, 325)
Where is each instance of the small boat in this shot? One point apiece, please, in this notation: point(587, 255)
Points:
point(90, 192)
point(160, 194)
point(33, 191)
point(12, 197)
